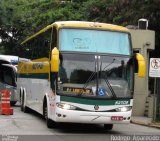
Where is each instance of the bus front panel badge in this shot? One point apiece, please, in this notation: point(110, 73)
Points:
point(96, 107)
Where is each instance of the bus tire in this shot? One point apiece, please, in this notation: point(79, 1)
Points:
point(49, 122)
point(21, 103)
point(20, 97)
point(13, 103)
point(108, 126)
point(23, 107)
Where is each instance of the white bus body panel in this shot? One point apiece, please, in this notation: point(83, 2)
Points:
point(89, 116)
point(35, 90)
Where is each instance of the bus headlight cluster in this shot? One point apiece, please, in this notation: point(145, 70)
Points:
point(123, 109)
point(65, 106)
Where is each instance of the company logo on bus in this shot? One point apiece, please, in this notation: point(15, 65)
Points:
point(121, 102)
point(96, 107)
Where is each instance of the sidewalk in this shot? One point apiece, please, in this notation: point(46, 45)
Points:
point(145, 121)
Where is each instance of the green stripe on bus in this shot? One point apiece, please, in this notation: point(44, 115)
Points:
point(34, 75)
point(94, 101)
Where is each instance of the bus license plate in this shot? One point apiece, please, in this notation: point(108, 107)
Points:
point(117, 118)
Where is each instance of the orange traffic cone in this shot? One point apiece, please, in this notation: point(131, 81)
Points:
point(5, 108)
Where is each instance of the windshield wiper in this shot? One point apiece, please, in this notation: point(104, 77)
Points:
point(86, 83)
point(109, 64)
point(106, 78)
point(88, 80)
point(109, 86)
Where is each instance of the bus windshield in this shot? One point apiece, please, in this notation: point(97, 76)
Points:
point(99, 41)
point(79, 76)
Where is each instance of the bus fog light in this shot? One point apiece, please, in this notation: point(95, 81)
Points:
point(123, 109)
point(65, 106)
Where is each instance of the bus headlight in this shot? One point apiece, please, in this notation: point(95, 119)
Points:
point(65, 106)
point(123, 109)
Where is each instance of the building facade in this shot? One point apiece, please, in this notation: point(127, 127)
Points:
point(143, 41)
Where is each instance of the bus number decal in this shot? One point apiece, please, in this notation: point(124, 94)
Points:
point(37, 66)
point(121, 102)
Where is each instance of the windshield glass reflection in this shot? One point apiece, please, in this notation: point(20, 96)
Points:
point(78, 76)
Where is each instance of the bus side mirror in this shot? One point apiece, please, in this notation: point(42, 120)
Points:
point(55, 60)
point(141, 65)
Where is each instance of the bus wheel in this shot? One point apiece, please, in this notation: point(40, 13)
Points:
point(13, 103)
point(108, 126)
point(45, 114)
point(22, 103)
point(23, 107)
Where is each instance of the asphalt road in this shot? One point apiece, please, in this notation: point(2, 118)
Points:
point(31, 126)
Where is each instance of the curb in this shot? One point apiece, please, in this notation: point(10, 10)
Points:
point(156, 125)
point(150, 124)
point(139, 122)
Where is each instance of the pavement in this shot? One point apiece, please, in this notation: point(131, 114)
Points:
point(146, 121)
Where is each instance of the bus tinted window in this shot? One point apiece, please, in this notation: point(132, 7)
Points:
point(7, 76)
point(38, 47)
point(94, 41)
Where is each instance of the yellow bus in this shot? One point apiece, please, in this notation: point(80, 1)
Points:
point(80, 72)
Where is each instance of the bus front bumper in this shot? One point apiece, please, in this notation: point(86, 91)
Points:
point(72, 116)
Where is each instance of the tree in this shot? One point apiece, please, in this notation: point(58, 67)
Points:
point(21, 18)
point(24, 17)
point(10, 29)
point(125, 12)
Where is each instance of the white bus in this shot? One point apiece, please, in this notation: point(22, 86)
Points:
point(80, 72)
point(8, 75)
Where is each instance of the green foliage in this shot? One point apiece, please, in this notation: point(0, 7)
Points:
point(20, 18)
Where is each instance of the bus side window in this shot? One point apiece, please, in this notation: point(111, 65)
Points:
point(43, 44)
point(29, 49)
point(8, 79)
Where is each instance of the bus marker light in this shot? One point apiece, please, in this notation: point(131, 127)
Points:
point(117, 118)
point(64, 116)
point(59, 115)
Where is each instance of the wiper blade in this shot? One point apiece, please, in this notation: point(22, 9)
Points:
point(109, 64)
point(110, 87)
point(86, 83)
point(106, 79)
point(91, 76)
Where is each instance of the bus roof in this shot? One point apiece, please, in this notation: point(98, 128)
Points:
point(90, 25)
point(80, 24)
